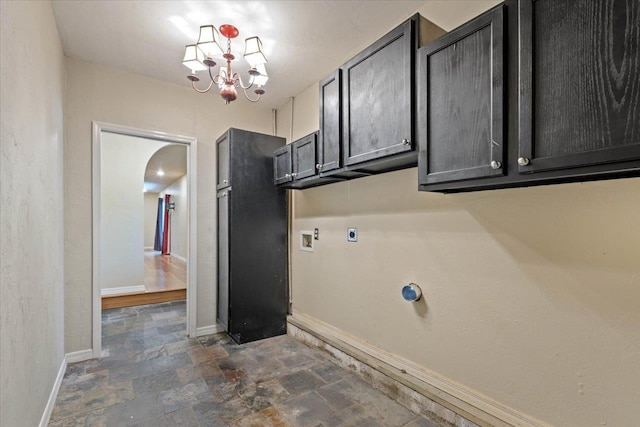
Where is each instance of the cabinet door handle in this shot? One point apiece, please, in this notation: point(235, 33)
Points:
point(224, 181)
point(495, 164)
point(406, 142)
point(523, 161)
point(318, 166)
point(287, 175)
point(293, 175)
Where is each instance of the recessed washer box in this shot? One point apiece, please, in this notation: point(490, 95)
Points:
point(352, 234)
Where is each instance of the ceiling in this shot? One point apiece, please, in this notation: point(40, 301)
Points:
point(303, 40)
point(172, 160)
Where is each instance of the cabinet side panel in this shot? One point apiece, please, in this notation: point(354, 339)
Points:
point(222, 150)
point(223, 258)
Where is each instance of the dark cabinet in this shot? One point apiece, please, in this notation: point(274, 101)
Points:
point(461, 103)
point(282, 166)
point(570, 104)
point(329, 136)
point(579, 83)
point(303, 155)
point(367, 110)
point(222, 153)
point(377, 94)
point(296, 165)
point(252, 240)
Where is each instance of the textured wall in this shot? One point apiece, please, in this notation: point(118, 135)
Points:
point(179, 216)
point(124, 160)
point(531, 295)
point(96, 92)
point(31, 216)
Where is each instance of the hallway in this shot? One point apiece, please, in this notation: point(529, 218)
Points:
point(153, 375)
point(165, 279)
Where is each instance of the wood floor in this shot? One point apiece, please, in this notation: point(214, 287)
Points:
point(165, 279)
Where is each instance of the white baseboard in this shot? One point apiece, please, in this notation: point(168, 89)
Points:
point(48, 410)
point(451, 396)
point(148, 248)
point(122, 290)
point(209, 330)
point(79, 356)
point(180, 257)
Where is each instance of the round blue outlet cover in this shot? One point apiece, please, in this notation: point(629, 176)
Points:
point(411, 292)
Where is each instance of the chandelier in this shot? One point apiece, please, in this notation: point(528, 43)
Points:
point(199, 57)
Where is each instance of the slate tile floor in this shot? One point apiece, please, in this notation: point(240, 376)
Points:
point(154, 375)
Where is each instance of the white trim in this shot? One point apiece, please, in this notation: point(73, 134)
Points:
point(181, 258)
point(122, 290)
point(444, 391)
point(79, 356)
point(146, 248)
point(192, 277)
point(209, 330)
point(48, 409)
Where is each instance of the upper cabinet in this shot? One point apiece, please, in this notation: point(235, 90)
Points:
point(579, 99)
point(377, 93)
point(303, 155)
point(461, 102)
point(282, 166)
point(379, 102)
point(296, 165)
point(532, 92)
point(329, 150)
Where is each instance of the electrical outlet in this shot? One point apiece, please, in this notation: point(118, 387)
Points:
point(352, 234)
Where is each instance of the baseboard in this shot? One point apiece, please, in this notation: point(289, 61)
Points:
point(148, 248)
point(79, 356)
point(209, 330)
point(48, 410)
point(122, 290)
point(180, 257)
point(413, 386)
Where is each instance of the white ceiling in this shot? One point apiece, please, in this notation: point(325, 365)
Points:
point(303, 40)
point(172, 160)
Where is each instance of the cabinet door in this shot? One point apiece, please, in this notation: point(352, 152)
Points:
point(223, 258)
point(330, 123)
point(282, 166)
point(579, 85)
point(377, 88)
point(461, 101)
point(303, 153)
point(222, 151)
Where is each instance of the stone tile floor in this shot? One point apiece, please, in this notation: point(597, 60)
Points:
point(152, 374)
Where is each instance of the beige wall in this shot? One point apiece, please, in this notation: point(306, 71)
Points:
point(530, 295)
point(150, 217)
point(97, 92)
point(124, 160)
point(31, 215)
point(179, 216)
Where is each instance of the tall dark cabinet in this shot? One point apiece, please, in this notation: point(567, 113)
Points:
point(252, 237)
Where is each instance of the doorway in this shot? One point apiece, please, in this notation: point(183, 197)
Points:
point(120, 264)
